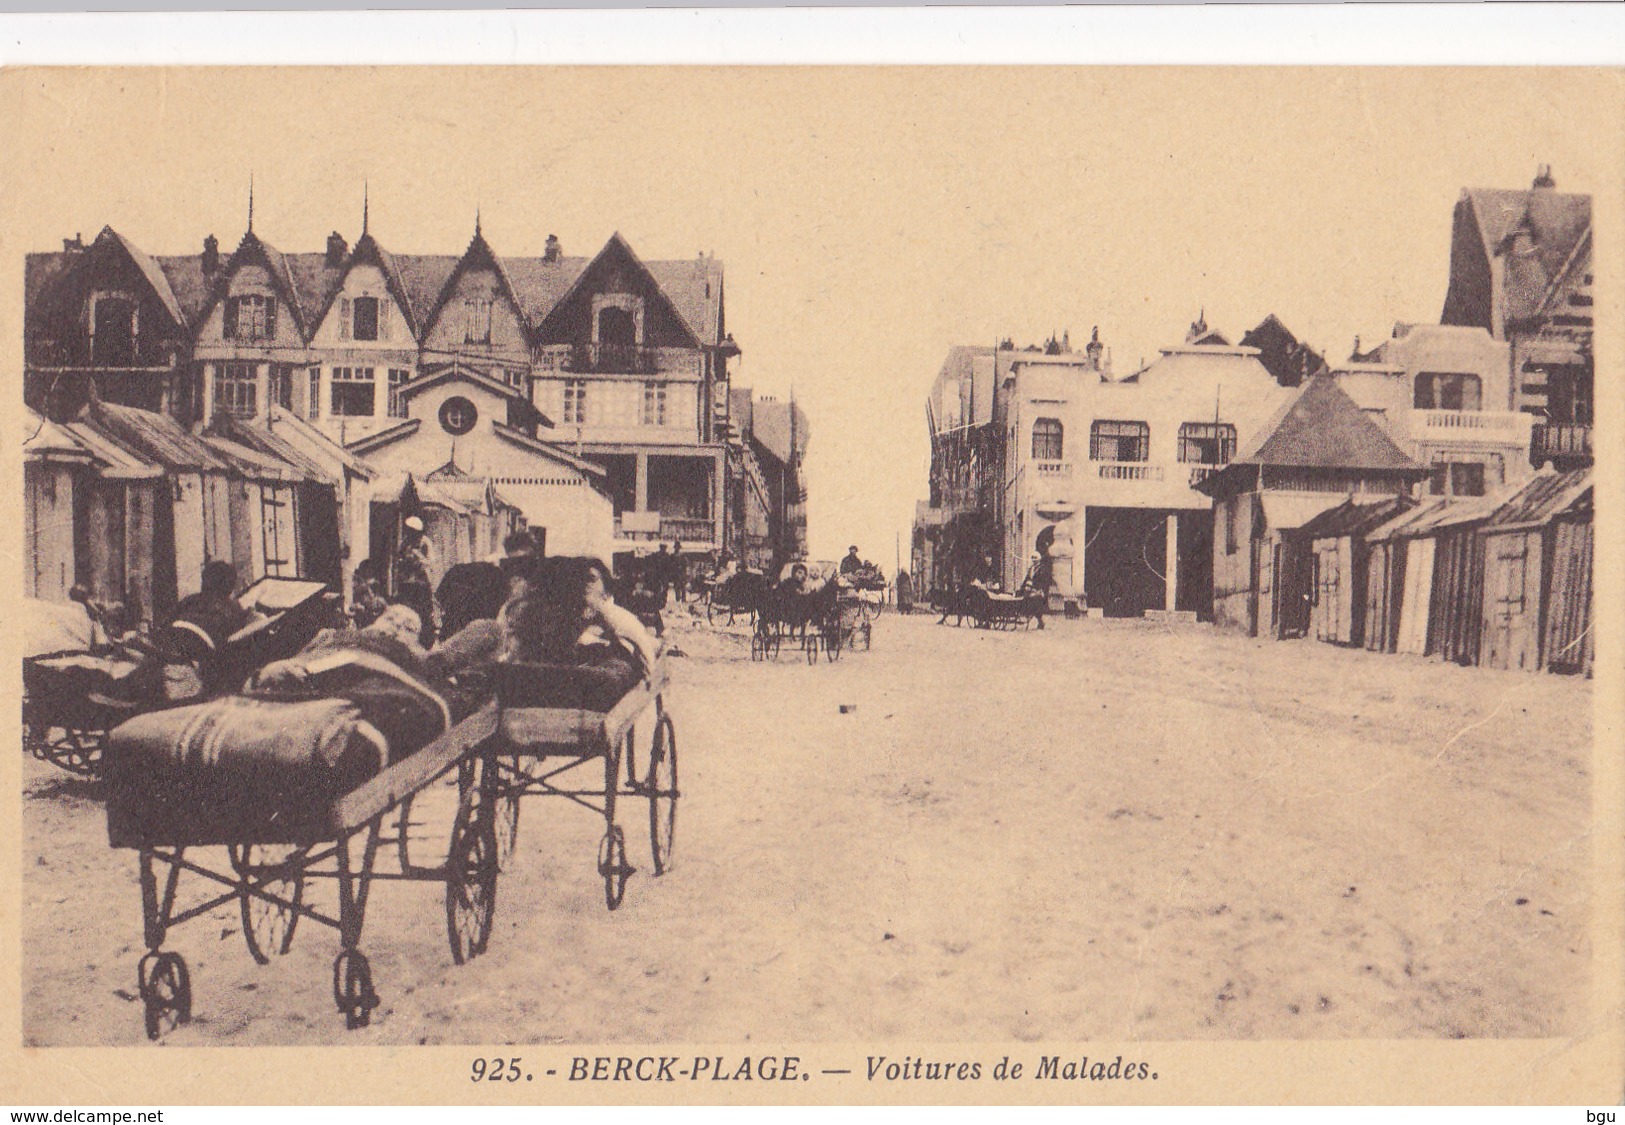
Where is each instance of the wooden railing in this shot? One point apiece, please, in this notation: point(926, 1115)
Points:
point(1560, 439)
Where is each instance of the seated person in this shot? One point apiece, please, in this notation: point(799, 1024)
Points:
point(595, 651)
point(798, 582)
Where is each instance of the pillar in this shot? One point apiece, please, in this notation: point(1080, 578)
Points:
point(640, 493)
point(1170, 564)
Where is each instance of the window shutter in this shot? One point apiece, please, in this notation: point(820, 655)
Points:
point(344, 318)
point(270, 318)
point(231, 318)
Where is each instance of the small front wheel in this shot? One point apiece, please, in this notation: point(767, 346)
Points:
point(613, 867)
point(471, 879)
point(352, 988)
point(270, 892)
point(166, 991)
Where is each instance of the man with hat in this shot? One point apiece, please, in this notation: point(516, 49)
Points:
point(851, 564)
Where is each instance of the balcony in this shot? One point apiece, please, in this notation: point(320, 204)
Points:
point(1506, 427)
point(620, 359)
point(1052, 470)
point(1200, 473)
point(1560, 441)
point(1128, 470)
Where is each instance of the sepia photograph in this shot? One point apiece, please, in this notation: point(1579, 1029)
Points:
point(849, 565)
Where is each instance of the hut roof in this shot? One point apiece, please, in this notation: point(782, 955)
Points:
point(1322, 427)
point(158, 438)
point(1546, 496)
point(1354, 519)
point(45, 440)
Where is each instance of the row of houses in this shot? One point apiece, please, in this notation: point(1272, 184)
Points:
point(301, 395)
point(1201, 467)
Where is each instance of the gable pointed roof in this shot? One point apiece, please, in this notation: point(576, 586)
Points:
point(619, 245)
point(1531, 240)
point(149, 270)
point(254, 249)
point(366, 251)
point(479, 253)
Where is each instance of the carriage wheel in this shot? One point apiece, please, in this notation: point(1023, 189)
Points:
point(776, 640)
point(809, 645)
point(352, 988)
point(278, 870)
point(663, 794)
point(166, 991)
point(403, 827)
point(868, 636)
point(713, 611)
point(505, 808)
point(612, 865)
point(758, 646)
point(77, 751)
point(471, 879)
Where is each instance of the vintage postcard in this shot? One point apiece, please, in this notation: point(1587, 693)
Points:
point(813, 584)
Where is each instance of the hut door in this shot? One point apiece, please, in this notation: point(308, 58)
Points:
point(1513, 638)
point(278, 530)
point(1418, 597)
point(1258, 591)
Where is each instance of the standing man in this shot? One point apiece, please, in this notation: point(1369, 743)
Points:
point(416, 573)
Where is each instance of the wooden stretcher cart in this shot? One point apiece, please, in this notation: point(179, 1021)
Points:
point(543, 751)
point(267, 867)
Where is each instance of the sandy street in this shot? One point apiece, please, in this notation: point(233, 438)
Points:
point(1107, 830)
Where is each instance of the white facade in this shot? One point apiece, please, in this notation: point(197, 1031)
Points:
point(1078, 441)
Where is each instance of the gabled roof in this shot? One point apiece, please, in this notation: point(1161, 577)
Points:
point(256, 465)
point(772, 428)
point(479, 254)
point(1535, 236)
point(118, 461)
point(45, 440)
point(253, 249)
point(256, 437)
point(149, 269)
point(1322, 427)
point(1547, 495)
point(619, 245)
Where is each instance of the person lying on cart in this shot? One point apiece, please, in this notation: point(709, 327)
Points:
point(379, 668)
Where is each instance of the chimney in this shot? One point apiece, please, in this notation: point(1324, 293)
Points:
point(336, 249)
point(552, 252)
point(1095, 349)
point(1543, 178)
point(71, 245)
point(211, 254)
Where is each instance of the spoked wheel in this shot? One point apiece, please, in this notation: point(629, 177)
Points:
point(77, 751)
point(713, 611)
point(758, 646)
point(277, 870)
point(505, 812)
point(352, 988)
point(471, 878)
point(663, 794)
point(833, 643)
point(613, 867)
point(166, 991)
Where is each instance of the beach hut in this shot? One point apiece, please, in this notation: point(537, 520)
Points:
point(55, 467)
point(1339, 559)
point(1537, 576)
point(1386, 577)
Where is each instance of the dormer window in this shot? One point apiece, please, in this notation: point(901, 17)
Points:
point(251, 316)
point(113, 331)
point(477, 320)
point(363, 318)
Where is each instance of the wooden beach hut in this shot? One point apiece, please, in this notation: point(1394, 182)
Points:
point(1339, 560)
point(1537, 550)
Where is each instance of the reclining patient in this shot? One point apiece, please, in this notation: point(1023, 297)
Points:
point(380, 669)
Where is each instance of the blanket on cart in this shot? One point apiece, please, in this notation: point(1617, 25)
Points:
point(267, 766)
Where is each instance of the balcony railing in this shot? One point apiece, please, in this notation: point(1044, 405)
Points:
point(1470, 425)
point(1560, 439)
point(1200, 473)
point(1128, 470)
point(688, 530)
point(1052, 468)
point(626, 359)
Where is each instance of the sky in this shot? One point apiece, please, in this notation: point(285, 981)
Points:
point(868, 219)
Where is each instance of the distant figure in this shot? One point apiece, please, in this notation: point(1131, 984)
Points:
point(657, 574)
point(905, 592)
point(852, 563)
point(416, 575)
